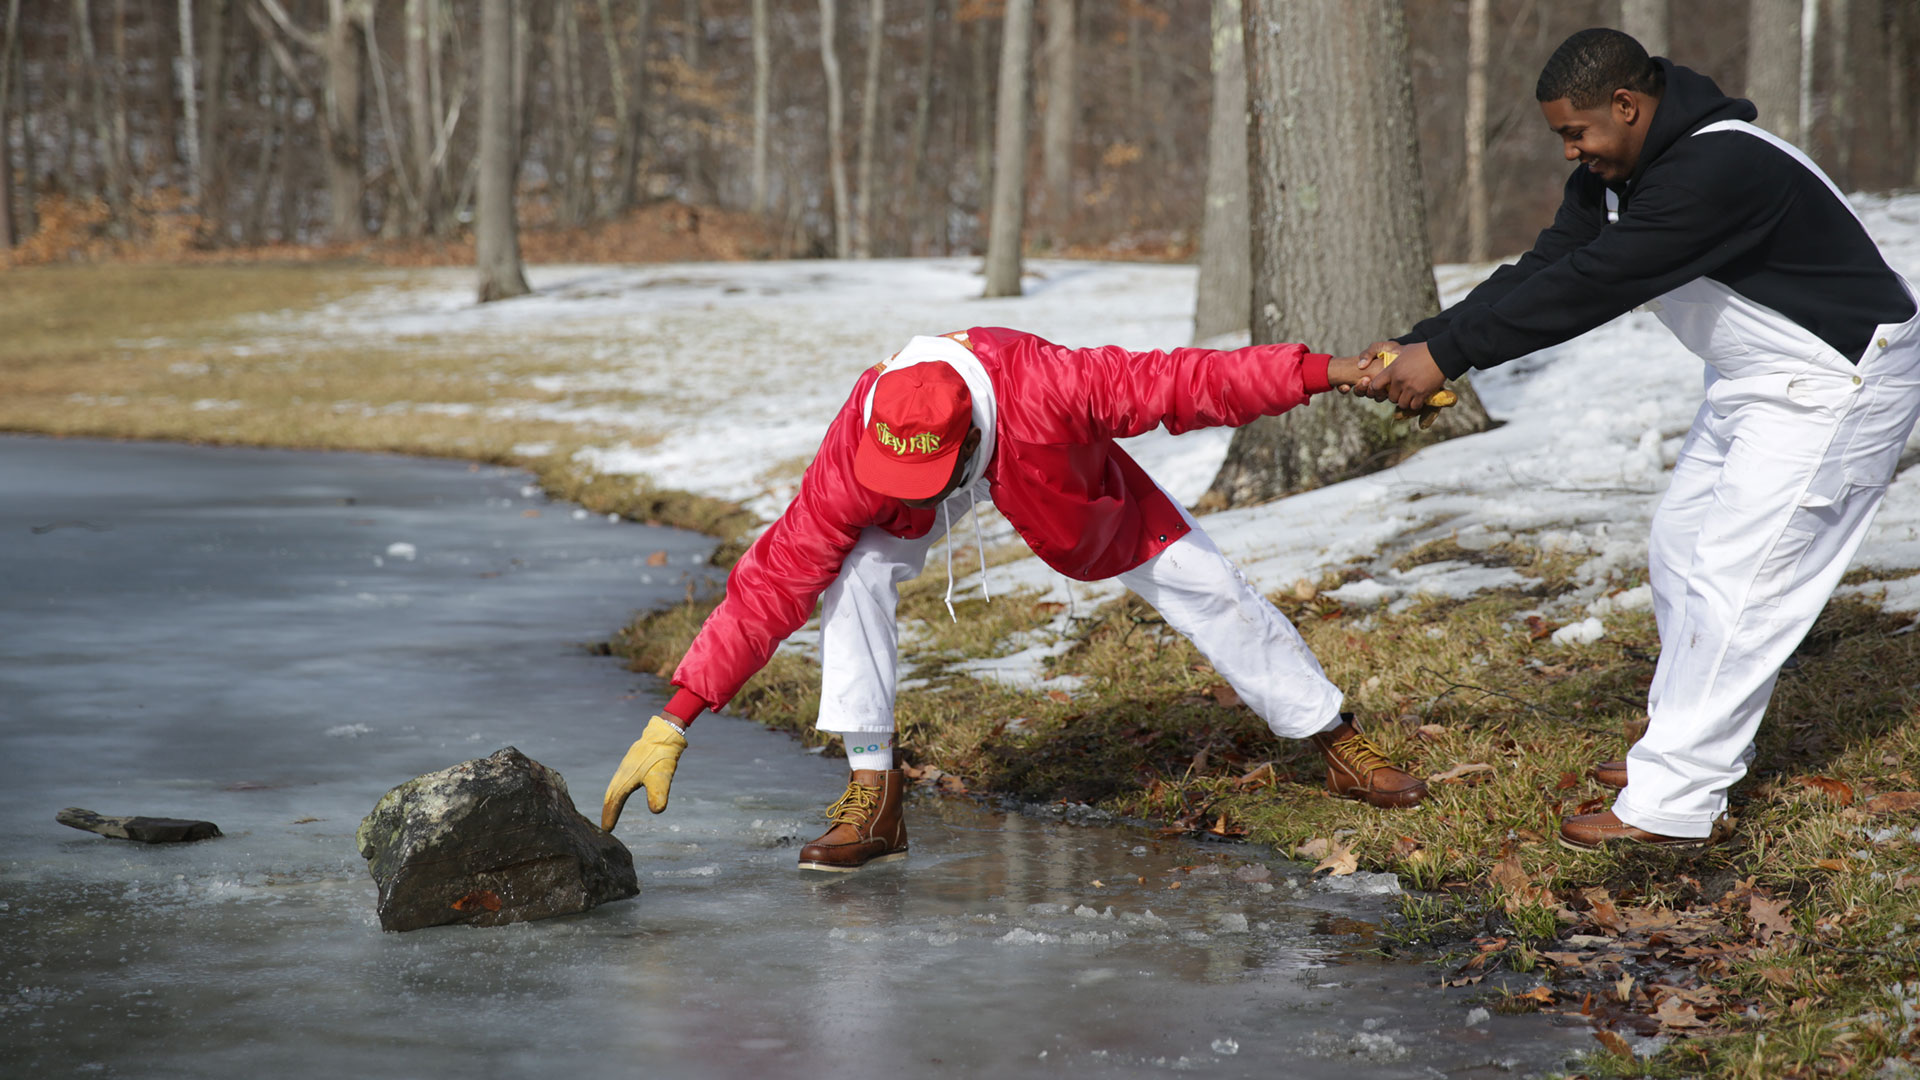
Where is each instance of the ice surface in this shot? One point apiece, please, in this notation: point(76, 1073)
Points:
point(192, 658)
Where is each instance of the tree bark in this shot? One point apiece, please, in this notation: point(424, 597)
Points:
point(982, 119)
point(836, 147)
point(1773, 65)
point(496, 237)
point(1648, 22)
point(1224, 295)
point(1009, 207)
point(869, 128)
point(120, 152)
point(1060, 65)
point(762, 105)
point(1340, 255)
point(1479, 30)
point(701, 189)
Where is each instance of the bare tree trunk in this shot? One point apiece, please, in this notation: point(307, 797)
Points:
point(496, 237)
point(423, 122)
point(255, 229)
point(1479, 30)
point(762, 105)
point(1840, 101)
point(701, 189)
point(9, 50)
point(1897, 27)
point(869, 129)
point(982, 120)
point(1009, 207)
point(213, 104)
point(630, 102)
point(120, 154)
point(1648, 22)
point(1340, 253)
point(189, 66)
point(28, 221)
point(836, 148)
point(922, 126)
point(1224, 296)
point(1773, 64)
point(571, 120)
point(1809, 37)
point(1059, 63)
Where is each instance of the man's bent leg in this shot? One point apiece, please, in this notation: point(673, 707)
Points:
point(1257, 650)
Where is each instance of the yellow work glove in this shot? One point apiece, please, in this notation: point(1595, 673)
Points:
point(649, 763)
point(1440, 399)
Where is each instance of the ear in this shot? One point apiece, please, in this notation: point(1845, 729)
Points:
point(971, 442)
point(1625, 106)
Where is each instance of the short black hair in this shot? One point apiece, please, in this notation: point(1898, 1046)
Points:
point(1589, 66)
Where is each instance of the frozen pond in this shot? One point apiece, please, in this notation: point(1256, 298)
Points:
point(270, 640)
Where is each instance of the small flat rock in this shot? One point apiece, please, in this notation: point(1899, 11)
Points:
point(491, 841)
point(147, 830)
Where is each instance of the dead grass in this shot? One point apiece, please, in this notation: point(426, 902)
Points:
point(132, 351)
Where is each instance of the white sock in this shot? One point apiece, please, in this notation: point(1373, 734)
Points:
point(869, 749)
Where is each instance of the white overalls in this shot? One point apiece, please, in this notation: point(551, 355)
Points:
point(1781, 474)
point(1191, 584)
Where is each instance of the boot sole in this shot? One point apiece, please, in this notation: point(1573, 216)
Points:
point(1687, 845)
point(828, 868)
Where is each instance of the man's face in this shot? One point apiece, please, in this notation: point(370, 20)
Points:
point(967, 450)
point(1605, 138)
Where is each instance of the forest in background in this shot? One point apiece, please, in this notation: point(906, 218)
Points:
point(180, 126)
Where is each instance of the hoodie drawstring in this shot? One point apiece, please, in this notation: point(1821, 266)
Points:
point(978, 545)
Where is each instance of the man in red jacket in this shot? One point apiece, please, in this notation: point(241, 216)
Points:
point(997, 415)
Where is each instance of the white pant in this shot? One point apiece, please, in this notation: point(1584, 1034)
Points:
point(1774, 490)
point(1190, 583)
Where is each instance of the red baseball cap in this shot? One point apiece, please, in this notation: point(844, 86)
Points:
point(920, 417)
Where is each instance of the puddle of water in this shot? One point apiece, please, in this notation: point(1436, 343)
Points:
point(235, 642)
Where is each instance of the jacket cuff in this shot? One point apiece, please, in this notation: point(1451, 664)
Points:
point(1451, 362)
point(1313, 372)
point(685, 705)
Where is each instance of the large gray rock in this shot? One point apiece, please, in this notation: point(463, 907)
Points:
point(491, 841)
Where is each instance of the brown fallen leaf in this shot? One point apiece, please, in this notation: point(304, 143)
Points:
point(1462, 980)
point(1541, 994)
point(1676, 1014)
point(1431, 732)
point(1538, 628)
point(952, 784)
point(1315, 848)
point(1304, 590)
point(1049, 607)
point(658, 558)
point(1834, 865)
point(1769, 917)
point(1894, 802)
point(1405, 847)
point(1906, 881)
point(1778, 976)
point(1457, 774)
point(1837, 790)
point(1567, 780)
point(529, 513)
point(1224, 696)
point(1624, 988)
point(1060, 696)
point(1339, 862)
point(1615, 1045)
point(1260, 776)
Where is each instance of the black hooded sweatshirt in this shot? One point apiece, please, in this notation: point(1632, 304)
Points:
point(1724, 205)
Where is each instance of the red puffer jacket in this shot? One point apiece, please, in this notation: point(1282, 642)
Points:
point(1078, 500)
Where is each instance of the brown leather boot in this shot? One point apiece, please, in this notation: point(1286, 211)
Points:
point(868, 826)
point(1611, 774)
point(1356, 769)
point(1591, 832)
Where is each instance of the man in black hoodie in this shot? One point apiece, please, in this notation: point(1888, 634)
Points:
point(1757, 263)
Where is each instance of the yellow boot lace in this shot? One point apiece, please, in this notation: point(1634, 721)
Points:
point(1362, 754)
point(856, 808)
